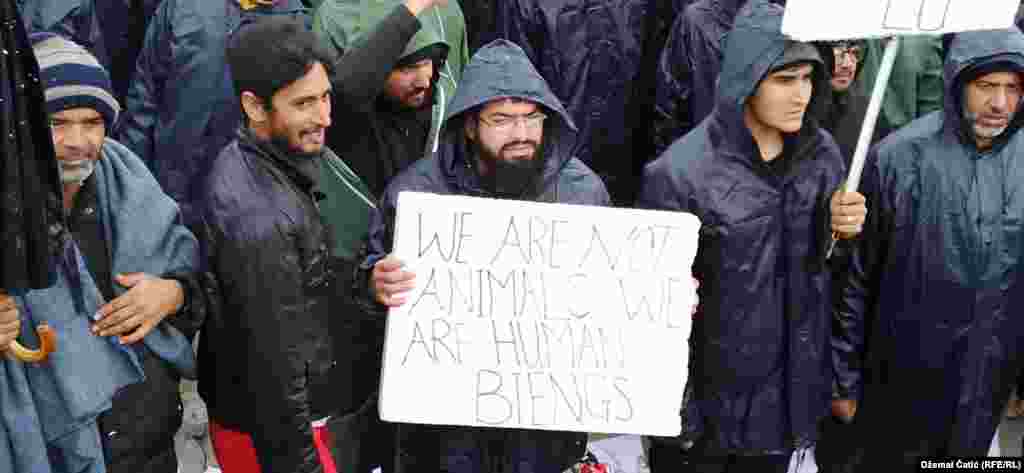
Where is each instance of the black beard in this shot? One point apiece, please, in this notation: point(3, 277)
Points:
point(284, 146)
point(514, 179)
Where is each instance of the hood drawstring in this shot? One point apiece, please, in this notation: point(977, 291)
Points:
point(445, 74)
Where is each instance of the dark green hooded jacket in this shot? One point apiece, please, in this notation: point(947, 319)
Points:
point(373, 135)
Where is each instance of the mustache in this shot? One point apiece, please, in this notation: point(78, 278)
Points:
point(75, 157)
point(417, 91)
point(530, 143)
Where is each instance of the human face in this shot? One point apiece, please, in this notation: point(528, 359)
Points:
point(410, 85)
point(781, 100)
point(78, 135)
point(509, 130)
point(301, 112)
point(990, 103)
point(848, 59)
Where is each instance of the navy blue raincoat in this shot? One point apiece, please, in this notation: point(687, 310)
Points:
point(760, 368)
point(112, 30)
point(591, 52)
point(689, 65)
point(182, 109)
point(929, 330)
point(76, 20)
point(498, 70)
point(688, 68)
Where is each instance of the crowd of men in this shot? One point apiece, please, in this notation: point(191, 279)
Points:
point(231, 168)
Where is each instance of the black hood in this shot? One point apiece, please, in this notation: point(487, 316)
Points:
point(753, 48)
point(975, 50)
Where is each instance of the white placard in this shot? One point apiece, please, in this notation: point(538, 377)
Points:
point(817, 20)
point(540, 316)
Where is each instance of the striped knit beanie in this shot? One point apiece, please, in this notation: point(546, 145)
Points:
point(73, 78)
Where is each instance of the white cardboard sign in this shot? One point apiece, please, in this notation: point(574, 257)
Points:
point(540, 316)
point(817, 20)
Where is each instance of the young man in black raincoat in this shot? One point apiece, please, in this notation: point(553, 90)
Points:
point(763, 179)
point(506, 136)
point(932, 302)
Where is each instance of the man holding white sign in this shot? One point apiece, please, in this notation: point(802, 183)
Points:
point(505, 136)
point(763, 180)
point(932, 301)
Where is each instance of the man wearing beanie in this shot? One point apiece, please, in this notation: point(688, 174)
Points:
point(136, 250)
point(932, 301)
point(396, 66)
point(764, 181)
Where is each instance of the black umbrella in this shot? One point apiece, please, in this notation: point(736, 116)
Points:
point(32, 225)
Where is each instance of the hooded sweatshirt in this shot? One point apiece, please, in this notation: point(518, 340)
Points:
point(380, 138)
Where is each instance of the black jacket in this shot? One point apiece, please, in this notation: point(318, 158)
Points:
point(844, 119)
point(842, 113)
point(500, 69)
point(265, 358)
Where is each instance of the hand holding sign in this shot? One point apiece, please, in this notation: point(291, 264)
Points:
point(390, 281)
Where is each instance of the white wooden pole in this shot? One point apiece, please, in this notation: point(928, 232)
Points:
point(870, 119)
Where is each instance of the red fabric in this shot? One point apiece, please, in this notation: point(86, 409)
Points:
point(234, 450)
point(236, 453)
point(323, 440)
point(593, 468)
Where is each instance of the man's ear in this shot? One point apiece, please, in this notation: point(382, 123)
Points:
point(254, 108)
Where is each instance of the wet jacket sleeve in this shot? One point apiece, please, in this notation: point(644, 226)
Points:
point(522, 22)
point(378, 246)
point(137, 127)
point(80, 24)
point(673, 89)
point(193, 313)
point(363, 70)
point(660, 189)
point(857, 289)
point(263, 268)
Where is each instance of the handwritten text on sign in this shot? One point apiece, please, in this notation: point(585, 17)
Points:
point(540, 316)
point(814, 20)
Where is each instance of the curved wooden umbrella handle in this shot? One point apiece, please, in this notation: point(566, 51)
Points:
point(47, 344)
